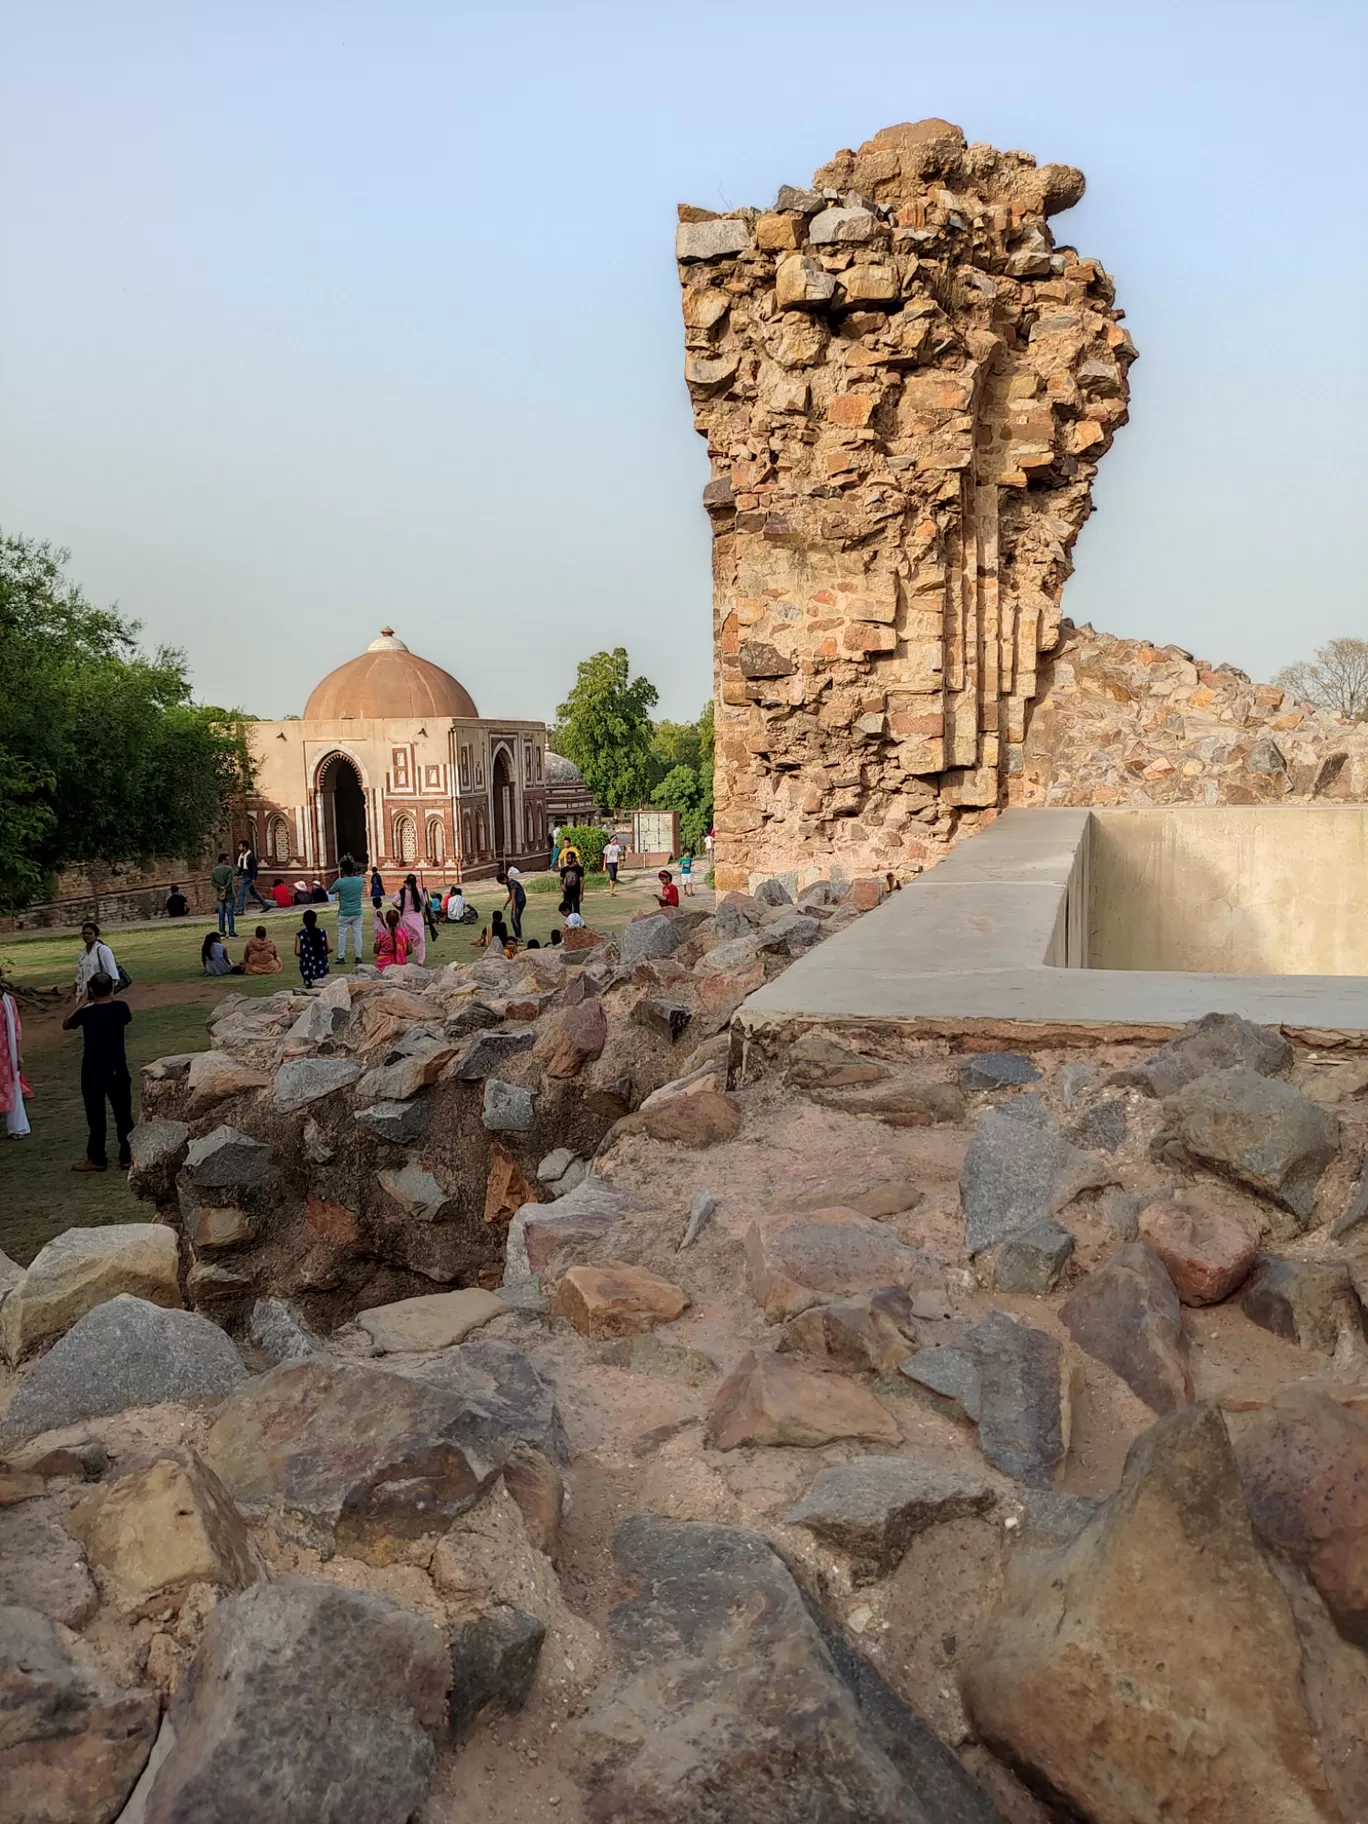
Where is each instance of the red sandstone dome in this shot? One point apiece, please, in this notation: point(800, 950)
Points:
point(388, 682)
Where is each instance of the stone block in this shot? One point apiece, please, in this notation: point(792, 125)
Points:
point(80, 1269)
point(769, 1399)
point(435, 1321)
point(871, 1510)
point(508, 1107)
point(617, 1300)
point(124, 1353)
point(719, 239)
point(163, 1527)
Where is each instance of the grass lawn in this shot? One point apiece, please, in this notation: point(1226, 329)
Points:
point(170, 998)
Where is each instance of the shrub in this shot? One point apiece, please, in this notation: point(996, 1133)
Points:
point(590, 842)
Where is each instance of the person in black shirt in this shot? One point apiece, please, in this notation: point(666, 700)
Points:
point(104, 1072)
point(177, 905)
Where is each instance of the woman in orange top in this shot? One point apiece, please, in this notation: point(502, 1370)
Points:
point(391, 941)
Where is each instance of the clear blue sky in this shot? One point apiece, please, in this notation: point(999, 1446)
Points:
point(318, 316)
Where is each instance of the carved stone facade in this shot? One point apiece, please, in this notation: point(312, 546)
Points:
point(393, 764)
point(906, 387)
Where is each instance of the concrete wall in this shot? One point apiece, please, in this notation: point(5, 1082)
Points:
point(1238, 890)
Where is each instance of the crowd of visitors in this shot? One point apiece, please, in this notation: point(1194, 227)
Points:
point(401, 932)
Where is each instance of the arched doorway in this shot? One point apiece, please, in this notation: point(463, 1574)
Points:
point(502, 782)
point(342, 799)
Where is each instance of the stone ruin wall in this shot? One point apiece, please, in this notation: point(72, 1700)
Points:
point(1120, 722)
point(906, 388)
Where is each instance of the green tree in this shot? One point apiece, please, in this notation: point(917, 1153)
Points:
point(103, 755)
point(605, 728)
point(687, 787)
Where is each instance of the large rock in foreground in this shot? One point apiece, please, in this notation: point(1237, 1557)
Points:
point(1218, 1041)
point(1304, 1460)
point(124, 1353)
point(1260, 1132)
point(1127, 1315)
point(1018, 1172)
point(728, 1706)
point(71, 1747)
point(305, 1702)
point(364, 1460)
point(80, 1269)
point(1151, 1673)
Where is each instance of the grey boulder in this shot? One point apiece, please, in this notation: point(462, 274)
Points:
point(644, 938)
point(1127, 1315)
point(401, 1122)
point(1251, 1128)
point(1218, 1041)
point(493, 1660)
point(774, 1719)
point(305, 1702)
point(1016, 1173)
point(997, 1070)
point(872, 1509)
point(226, 1159)
point(508, 1107)
point(305, 1080)
point(124, 1353)
point(1024, 1398)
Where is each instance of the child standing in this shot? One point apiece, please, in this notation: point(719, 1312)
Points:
point(311, 947)
point(686, 873)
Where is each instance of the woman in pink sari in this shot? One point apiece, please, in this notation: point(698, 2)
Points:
point(410, 904)
point(13, 1086)
point(391, 941)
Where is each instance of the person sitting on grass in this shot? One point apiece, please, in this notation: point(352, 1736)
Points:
point(214, 957)
point(669, 892)
point(260, 956)
point(104, 1072)
point(318, 894)
point(494, 937)
point(311, 947)
point(555, 940)
point(177, 905)
point(282, 895)
point(391, 940)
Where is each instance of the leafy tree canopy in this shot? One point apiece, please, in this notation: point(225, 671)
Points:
point(605, 728)
point(103, 755)
point(687, 787)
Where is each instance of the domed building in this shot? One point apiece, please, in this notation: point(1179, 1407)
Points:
point(393, 764)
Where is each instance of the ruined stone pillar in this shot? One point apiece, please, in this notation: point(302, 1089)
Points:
point(906, 388)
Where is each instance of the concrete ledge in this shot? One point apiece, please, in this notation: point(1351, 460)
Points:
point(997, 933)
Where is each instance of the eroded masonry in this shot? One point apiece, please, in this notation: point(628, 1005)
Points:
point(906, 387)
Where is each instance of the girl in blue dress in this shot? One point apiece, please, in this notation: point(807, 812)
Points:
point(311, 947)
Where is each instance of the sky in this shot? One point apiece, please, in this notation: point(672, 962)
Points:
point(321, 317)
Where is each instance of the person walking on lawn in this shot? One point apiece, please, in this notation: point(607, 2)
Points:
point(96, 958)
point(247, 870)
point(350, 886)
point(104, 1072)
point(612, 857)
point(222, 877)
point(517, 897)
point(572, 881)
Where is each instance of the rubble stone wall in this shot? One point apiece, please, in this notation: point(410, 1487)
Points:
point(906, 387)
point(1124, 722)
